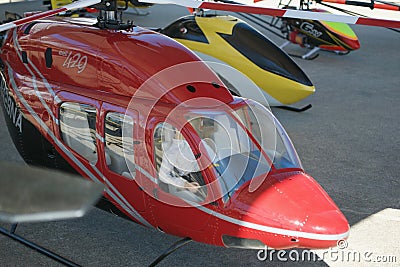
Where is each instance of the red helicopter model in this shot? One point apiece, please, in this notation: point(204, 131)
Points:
point(136, 111)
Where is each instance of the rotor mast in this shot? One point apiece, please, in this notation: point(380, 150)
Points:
point(110, 15)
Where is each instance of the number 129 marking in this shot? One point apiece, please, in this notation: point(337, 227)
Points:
point(76, 61)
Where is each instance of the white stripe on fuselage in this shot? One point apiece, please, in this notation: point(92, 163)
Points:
point(272, 230)
point(36, 89)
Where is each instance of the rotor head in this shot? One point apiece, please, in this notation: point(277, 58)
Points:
point(110, 15)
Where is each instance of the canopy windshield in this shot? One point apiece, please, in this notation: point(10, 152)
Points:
point(264, 53)
point(243, 143)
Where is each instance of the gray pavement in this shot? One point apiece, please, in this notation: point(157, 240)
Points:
point(349, 142)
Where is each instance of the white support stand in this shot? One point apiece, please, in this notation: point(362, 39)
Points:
point(311, 53)
point(284, 44)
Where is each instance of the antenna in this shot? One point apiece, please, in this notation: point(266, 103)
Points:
point(110, 15)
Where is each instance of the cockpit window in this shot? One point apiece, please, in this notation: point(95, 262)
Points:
point(265, 54)
point(270, 134)
point(235, 157)
point(244, 143)
point(177, 167)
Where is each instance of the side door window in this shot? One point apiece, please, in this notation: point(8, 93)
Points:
point(78, 129)
point(119, 153)
point(118, 129)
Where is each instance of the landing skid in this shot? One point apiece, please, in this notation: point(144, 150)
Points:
point(307, 56)
point(290, 108)
point(11, 234)
point(341, 53)
point(177, 245)
point(310, 55)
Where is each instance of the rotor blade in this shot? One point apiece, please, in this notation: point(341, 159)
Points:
point(45, 14)
point(371, 5)
point(30, 194)
point(388, 3)
point(277, 12)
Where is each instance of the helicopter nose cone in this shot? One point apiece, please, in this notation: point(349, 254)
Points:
point(296, 210)
point(288, 92)
point(345, 33)
point(354, 44)
point(328, 222)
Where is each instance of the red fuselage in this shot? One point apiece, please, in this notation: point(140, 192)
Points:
point(50, 63)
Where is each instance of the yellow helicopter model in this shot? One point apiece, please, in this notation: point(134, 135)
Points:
point(229, 40)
